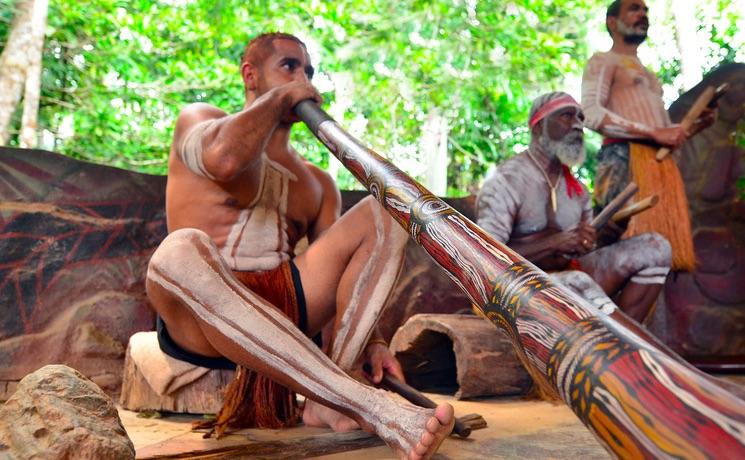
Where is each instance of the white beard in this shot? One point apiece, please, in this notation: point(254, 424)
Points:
point(570, 150)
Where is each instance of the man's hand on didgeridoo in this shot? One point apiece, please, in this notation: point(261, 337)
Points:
point(379, 357)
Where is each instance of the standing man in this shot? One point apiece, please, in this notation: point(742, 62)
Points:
point(623, 101)
point(533, 203)
point(228, 288)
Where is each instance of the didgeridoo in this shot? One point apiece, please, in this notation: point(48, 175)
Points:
point(639, 401)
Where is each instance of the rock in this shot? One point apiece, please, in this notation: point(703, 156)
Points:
point(462, 354)
point(56, 413)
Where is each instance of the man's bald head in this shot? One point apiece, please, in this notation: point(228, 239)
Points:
point(261, 47)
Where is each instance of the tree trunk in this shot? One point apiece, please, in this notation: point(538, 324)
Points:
point(20, 63)
point(434, 146)
point(691, 61)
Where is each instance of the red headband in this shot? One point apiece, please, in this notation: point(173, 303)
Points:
point(550, 107)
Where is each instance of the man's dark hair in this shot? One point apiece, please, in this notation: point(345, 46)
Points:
point(260, 47)
point(614, 10)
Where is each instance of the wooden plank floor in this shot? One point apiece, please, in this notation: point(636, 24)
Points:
point(517, 429)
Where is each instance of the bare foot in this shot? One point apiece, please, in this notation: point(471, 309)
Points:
point(315, 414)
point(437, 428)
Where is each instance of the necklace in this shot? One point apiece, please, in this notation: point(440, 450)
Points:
point(548, 181)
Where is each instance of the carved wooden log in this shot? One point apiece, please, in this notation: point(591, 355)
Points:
point(460, 350)
point(637, 399)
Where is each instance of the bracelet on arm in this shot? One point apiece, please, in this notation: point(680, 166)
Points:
point(380, 341)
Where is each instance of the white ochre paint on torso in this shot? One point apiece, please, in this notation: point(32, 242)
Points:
point(620, 95)
point(515, 201)
point(258, 240)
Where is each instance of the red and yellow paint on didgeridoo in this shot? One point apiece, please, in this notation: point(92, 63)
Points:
point(636, 399)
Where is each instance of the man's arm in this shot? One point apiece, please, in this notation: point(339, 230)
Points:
point(552, 249)
point(496, 207)
point(596, 85)
point(221, 146)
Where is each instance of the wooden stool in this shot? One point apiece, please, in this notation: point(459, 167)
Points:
point(202, 395)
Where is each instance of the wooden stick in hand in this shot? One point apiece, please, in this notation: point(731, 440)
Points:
point(614, 206)
point(703, 101)
point(635, 208)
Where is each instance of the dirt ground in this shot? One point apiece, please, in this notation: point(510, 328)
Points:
point(517, 428)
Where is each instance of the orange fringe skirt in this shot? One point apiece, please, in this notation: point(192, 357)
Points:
point(252, 400)
point(670, 217)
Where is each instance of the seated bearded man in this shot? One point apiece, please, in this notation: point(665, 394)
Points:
point(533, 203)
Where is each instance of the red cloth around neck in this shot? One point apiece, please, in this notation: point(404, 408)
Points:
point(573, 185)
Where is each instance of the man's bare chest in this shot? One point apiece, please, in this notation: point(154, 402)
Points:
point(289, 192)
point(631, 75)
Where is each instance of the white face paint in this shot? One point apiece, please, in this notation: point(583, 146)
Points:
point(570, 150)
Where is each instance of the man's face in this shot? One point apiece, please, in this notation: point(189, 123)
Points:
point(633, 21)
point(288, 62)
point(563, 137)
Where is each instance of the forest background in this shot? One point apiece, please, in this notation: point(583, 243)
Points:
point(440, 87)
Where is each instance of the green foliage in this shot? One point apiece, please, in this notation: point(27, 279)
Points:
point(725, 35)
point(117, 72)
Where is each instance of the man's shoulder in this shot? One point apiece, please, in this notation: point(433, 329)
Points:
point(323, 179)
point(320, 174)
point(514, 164)
point(192, 115)
point(603, 58)
point(200, 111)
point(507, 170)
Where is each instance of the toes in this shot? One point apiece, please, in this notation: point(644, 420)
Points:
point(427, 439)
point(444, 414)
point(420, 449)
point(433, 425)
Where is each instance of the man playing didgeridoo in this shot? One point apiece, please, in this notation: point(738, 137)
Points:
point(533, 203)
point(623, 101)
point(228, 288)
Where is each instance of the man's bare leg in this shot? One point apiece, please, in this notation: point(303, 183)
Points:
point(348, 274)
point(365, 286)
point(636, 299)
point(188, 274)
point(633, 271)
